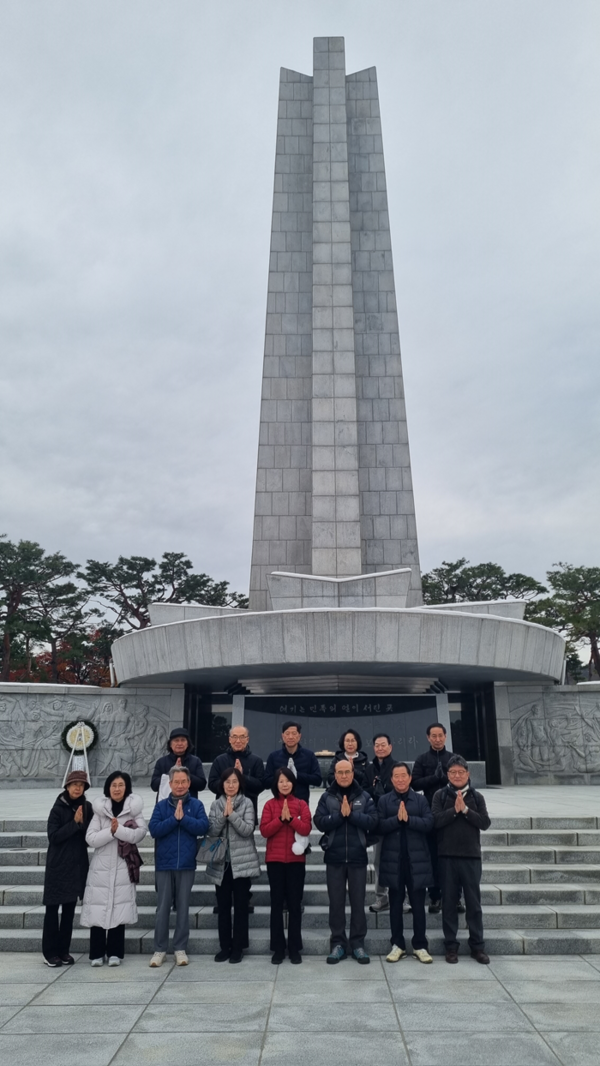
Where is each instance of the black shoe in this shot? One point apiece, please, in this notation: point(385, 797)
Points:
point(250, 909)
point(277, 958)
point(435, 906)
point(480, 956)
point(295, 958)
point(236, 956)
point(215, 910)
point(67, 960)
point(460, 907)
point(451, 956)
point(222, 955)
point(53, 961)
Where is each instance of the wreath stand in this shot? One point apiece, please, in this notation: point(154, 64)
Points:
point(79, 761)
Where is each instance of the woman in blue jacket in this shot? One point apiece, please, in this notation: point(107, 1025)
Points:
point(176, 824)
point(405, 819)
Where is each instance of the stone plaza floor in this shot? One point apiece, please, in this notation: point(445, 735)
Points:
point(527, 1011)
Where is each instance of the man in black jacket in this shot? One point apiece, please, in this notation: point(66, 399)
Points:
point(346, 815)
point(405, 822)
point(378, 781)
point(301, 761)
point(239, 756)
point(180, 753)
point(459, 815)
point(429, 775)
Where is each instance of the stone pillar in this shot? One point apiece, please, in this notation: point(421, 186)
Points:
point(443, 715)
point(333, 488)
point(237, 710)
point(503, 727)
point(335, 494)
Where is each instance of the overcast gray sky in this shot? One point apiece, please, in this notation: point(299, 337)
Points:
point(136, 179)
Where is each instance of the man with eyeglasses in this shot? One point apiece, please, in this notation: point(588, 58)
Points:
point(459, 815)
point(378, 778)
point(346, 816)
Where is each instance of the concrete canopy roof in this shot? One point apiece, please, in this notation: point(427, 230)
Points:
point(460, 649)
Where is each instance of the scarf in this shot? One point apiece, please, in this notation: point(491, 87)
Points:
point(130, 854)
point(174, 800)
point(117, 806)
point(454, 791)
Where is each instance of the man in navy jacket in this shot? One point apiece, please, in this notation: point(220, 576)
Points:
point(302, 762)
point(176, 824)
point(405, 820)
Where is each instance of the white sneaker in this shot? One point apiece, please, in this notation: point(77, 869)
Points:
point(97, 962)
point(158, 958)
point(421, 955)
point(395, 954)
point(181, 958)
point(114, 960)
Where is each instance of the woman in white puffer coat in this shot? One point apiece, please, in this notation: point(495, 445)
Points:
point(109, 901)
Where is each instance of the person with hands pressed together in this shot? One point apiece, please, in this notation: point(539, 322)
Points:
point(283, 818)
point(66, 867)
point(176, 824)
point(232, 822)
point(301, 761)
point(405, 820)
point(238, 755)
point(109, 901)
point(460, 814)
point(346, 815)
point(378, 781)
point(180, 753)
point(429, 775)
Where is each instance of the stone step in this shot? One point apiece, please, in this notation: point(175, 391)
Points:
point(316, 942)
point(587, 822)
point(315, 917)
point(492, 873)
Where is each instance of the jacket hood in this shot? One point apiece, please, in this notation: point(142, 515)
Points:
point(133, 805)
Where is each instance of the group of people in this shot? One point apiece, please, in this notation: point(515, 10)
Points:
point(425, 825)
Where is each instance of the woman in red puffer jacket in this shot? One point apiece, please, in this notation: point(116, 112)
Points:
point(282, 818)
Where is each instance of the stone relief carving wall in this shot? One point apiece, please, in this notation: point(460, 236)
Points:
point(555, 732)
point(132, 732)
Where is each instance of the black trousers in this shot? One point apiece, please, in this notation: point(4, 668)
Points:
point(416, 898)
point(338, 876)
point(107, 942)
point(233, 892)
point(434, 889)
point(286, 880)
point(56, 936)
point(457, 873)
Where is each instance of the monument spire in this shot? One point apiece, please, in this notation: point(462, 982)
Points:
point(334, 490)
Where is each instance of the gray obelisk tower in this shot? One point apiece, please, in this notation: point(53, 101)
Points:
point(334, 492)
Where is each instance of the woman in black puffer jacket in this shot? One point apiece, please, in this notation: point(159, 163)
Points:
point(66, 867)
point(349, 748)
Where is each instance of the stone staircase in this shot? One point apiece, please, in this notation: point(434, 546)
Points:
point(540, 892)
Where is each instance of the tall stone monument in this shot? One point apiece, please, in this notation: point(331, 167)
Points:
point(337, 630)
point(334, 490)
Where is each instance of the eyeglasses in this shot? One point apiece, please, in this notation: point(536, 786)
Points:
point(344, 773)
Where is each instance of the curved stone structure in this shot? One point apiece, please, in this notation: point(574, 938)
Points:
point(454, 647)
